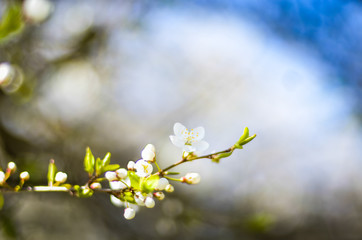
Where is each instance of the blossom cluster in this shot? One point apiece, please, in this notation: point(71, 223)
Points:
point(137, 185)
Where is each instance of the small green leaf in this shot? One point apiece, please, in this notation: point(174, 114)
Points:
point(149, 184)
point(89, 162)
point(11, 22)
point(1, 201)
point(172, 173)
point(135, 179)
point(111, 167)
point(99, 168)
point(52, 170)
point(106, 160)
point(244, 136)
point(216, 158)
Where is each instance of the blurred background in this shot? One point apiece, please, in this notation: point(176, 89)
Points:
point(116, 75)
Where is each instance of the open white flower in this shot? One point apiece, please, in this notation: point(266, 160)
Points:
point(189, 141)
point(143, 168)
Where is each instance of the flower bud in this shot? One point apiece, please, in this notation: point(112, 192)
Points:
point(130, 165)
point(37, 10)
point(11, 167)
point(24, 176)
point(159, 195)
point(162, 183)
point(191, 178)
point(139, 199)
point(111, 176)
point(117, 185)
point(148, 152)
point(121, 173)
point(129, 213)
point(7, 73)
point(61, 177)
point(96, 185)
point(116, 201)
point(149, 202)
point(2, 177)
point(169, 188)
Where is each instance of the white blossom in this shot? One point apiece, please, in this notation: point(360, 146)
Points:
point(116, 201)
point(12, 166)
point(37, 10)
point(159, 195)
point(149, 202)
point(129, 213)
point(143, 168)
point(111, 176)
point(7, 73)
point(24, 176)
point(191, 178)
point(117, 185)
point(61, 177)
point(149, 152)
point(121, 173)
point(162, 183)
point(189, 141)
point(131, 165)
point(2, 176)
point(139, 199)
point(169, 188)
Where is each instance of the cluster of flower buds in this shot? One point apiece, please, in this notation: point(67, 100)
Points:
point(137, 185)
point(10, 170)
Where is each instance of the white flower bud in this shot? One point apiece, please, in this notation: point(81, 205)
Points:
point(191, 178)
point(162, 183)
point(61, 177)
point(129, 213)
point(24, 176)
point(11, 167)
point(159, 195)
point(139, 199)
point(2, 177)
point(37, 10)
point(149, 202)
point(7, 73)
point(116, 201)
point(121, 173)
point(148, 152)
point(111, 176)
point(169, 188)
point(117, 185)
point(96, 185)
point(130, 165)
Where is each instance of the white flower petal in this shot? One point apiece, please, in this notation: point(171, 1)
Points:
point(200, 146)
point(198, 133)
point(188, 148)
point(178, 129)
point(178, 142)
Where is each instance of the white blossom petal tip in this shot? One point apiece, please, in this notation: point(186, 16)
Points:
point(189, 140)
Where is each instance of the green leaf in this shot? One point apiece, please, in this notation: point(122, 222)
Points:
point(149, 184)
point(1, 201)
point(111, 167)
point(244, 136)
point(11, 22)
point(106, 160)
point(135, 179)
point(172, 173)
point(89, 162)
point(99, 169)
point(52, 170)
point(216, 158)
